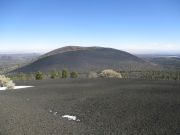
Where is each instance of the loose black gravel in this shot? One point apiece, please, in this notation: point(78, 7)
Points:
point(104, 107)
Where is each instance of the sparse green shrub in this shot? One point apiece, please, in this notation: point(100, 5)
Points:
point(39, 76)
point(59, 74)
point(92, 75)
point(73, 74)
point(109, 73)
point(55, 75)
point(64, 73)
point(6, 82)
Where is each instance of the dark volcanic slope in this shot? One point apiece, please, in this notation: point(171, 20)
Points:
point(67, 49)
point(94, 58)
point(104, 107)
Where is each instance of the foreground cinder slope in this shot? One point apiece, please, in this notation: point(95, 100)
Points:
point(104, 107)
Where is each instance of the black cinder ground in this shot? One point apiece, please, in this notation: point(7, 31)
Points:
point(104, 107)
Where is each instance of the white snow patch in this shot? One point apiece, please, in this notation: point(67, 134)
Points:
point(2, 88)
point(16, 87)
point(69, 117)
point(50, 111)
point(21, 87)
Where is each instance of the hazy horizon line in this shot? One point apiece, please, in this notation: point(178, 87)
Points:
point(132, 51)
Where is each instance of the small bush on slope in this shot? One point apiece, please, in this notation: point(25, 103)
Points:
point(109, 73)
point(6, 82)
point(73, 74)
point(56, 74)
point(64, 73)
point(39, 76)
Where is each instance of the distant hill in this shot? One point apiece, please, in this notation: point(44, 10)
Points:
point(10, 62)
point(9, 59)
point(167, 62)
point(85, 59)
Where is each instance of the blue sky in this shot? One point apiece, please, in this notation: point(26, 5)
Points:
point(137, 26)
